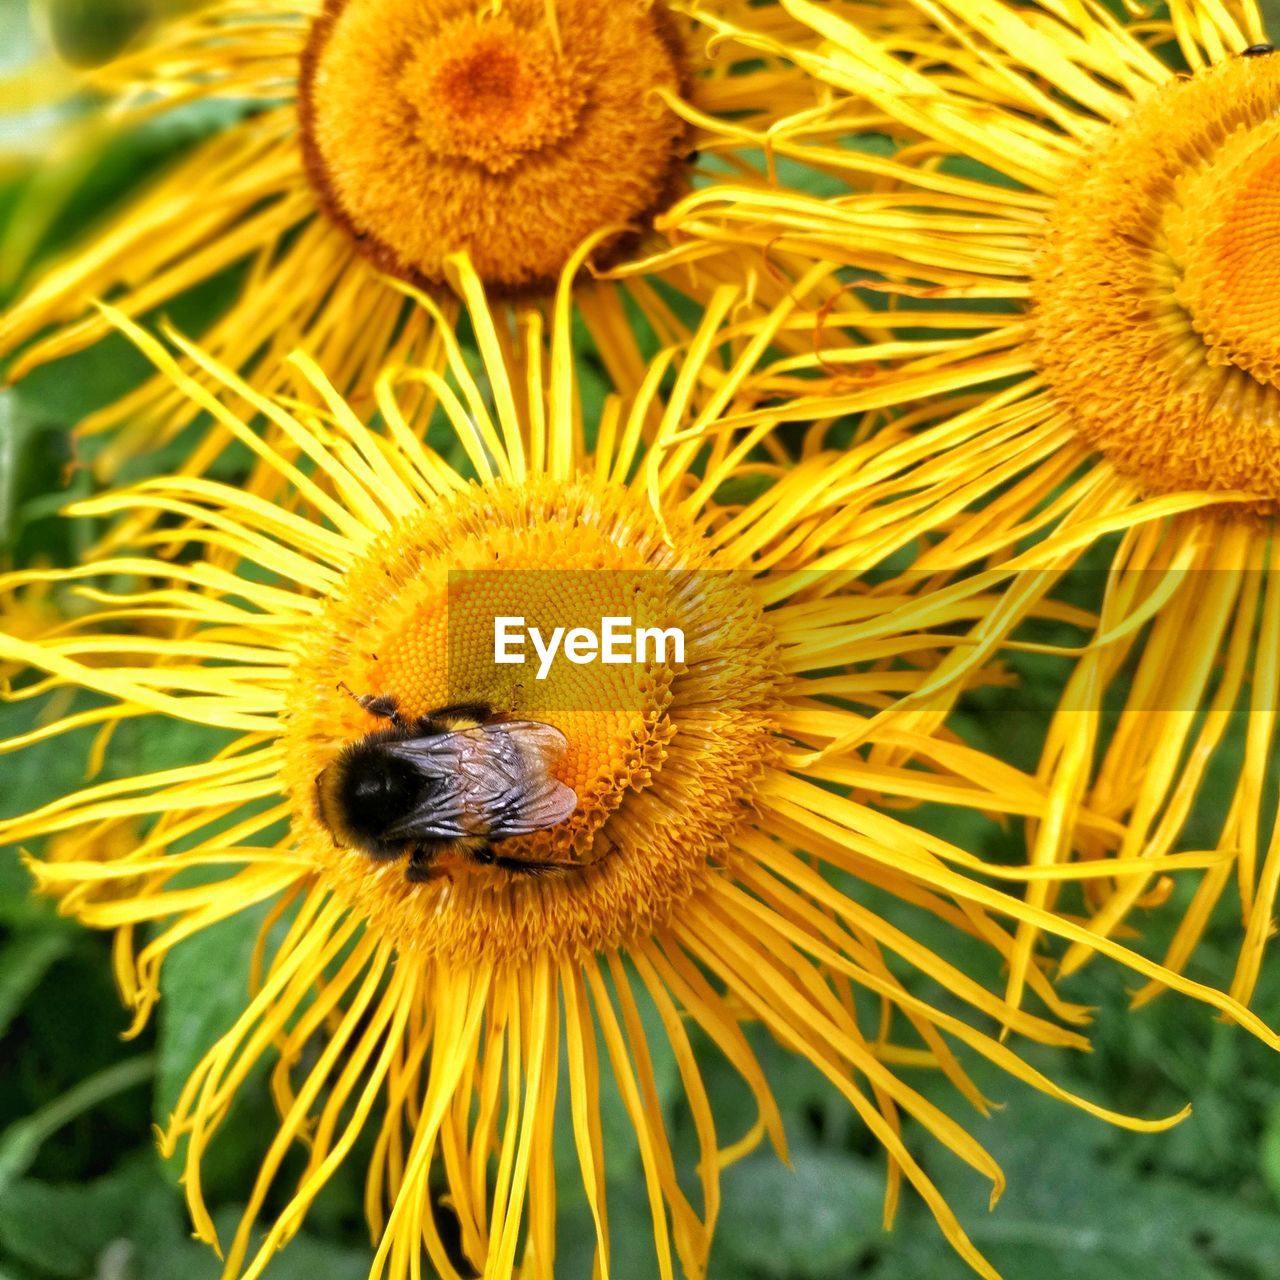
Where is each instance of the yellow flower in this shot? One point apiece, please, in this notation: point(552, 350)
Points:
point(27, 615)
point(713, 794)
point(498, 133)
point(1094, 229)
point(381, 136)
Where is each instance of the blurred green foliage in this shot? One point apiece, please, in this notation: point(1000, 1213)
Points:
point(85, 1196)
point(90, 32)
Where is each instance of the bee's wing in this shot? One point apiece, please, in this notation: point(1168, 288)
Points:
point(543, 804)
point(501, 785)
point(525, 798)
point(541, 745)
point(441, 756)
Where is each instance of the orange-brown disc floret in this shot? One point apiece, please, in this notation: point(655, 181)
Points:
point(664, 755)
point(510, 132)
point(1157, 299)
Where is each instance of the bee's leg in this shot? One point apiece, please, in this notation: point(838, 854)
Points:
point(381, 705)
point(486, 857)
point(384, 707)
point(422, 865)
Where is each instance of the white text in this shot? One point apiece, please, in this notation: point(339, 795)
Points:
point(616, 642)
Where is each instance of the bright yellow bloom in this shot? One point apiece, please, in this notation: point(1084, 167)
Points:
point(381, 136)
point(1093, 228)
point(714, 794)
point(26, 615)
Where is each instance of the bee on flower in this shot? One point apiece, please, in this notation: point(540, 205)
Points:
point(476, 878)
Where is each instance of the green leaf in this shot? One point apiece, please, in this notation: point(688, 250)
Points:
point(1270, 11)
point(306, 1258)
point(1070, 1213)
point(18, 430)
point(204, 989)
point(21, 1141)
point(132, 1225)
point(23, 962)
point(61, 1229)
point(632, 1255)
point(810, 1221)
point(1269, 1151)
point(743, 490)
point(19, 907)
point(38, 774)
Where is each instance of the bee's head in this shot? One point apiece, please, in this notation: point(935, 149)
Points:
point(365, 793)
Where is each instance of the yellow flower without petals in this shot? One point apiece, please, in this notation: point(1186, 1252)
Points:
point(494, 132)
point(713, 794)
point(1094, 230)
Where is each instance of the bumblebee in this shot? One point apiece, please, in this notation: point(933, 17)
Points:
point(453, 781)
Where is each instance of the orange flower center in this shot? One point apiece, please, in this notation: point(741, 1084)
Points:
point(1228, 244)
point(663, 755)
point(1157, 299)
point(484, 93)
point(431, 127)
